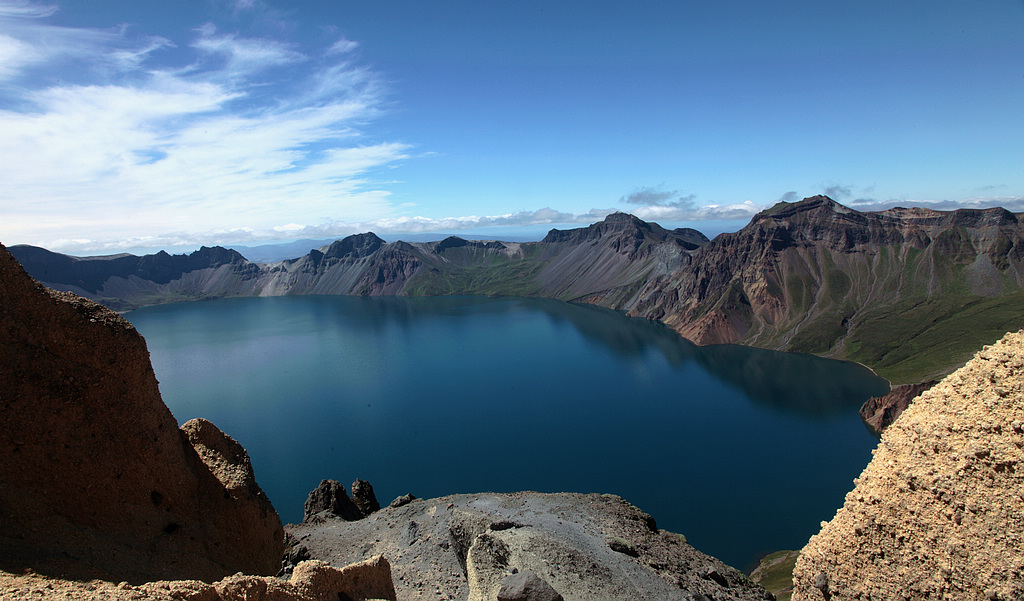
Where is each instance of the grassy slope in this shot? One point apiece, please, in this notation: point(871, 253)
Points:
point(913, 342)
point(488, 275)
point(911, 318)
point(775, 574)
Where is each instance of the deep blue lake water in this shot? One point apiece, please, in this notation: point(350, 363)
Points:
point(742, 450)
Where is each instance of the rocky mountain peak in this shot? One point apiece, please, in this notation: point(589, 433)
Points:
point(355, 246)
point(617, 224)
point(819, 206)
point(621, 217)
point(215, 256)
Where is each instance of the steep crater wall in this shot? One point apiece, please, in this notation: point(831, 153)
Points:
point(97, 479)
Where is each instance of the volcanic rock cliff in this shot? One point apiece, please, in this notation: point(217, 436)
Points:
point(909, 292)
point(97, 480)
point(880, 412)
point(939, 511)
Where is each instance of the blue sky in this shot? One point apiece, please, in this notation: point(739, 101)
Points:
point(136, 124)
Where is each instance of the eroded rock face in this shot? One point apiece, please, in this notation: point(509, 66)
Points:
point(363, 497)
point(329, 499)
point(879, 412)
point(939, 511)
point(97, 480)
point(817, 277)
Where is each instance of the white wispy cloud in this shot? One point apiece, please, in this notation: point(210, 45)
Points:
point(24, 8)
point(656, 204)
point(343, 46)
point(692, 212)
point(1014, 204)
point(128, 148)
point(335, 229)
point(242, 57)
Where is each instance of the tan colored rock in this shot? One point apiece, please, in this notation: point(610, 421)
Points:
point(97, 481)
point(487, 563)
point(939, 511)
point(311, 581)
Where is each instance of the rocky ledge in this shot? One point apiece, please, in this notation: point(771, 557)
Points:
point(482, 546)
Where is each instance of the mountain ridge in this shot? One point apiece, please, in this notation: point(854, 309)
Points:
point(818, 277)
point(909, 292)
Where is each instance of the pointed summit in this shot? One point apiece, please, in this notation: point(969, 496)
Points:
point(819, 202)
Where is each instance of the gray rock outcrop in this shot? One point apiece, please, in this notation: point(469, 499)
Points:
point(363, 497)
point(329, 499)
point(467, 546)
point(402, 500)
point(526, 586)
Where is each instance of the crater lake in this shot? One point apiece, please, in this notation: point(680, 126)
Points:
point(742, 450)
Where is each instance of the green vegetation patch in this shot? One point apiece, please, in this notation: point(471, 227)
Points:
point(820, 334)
point(775, 573)
point(839, 284)
point(494, 277)
point(914, 341)
point(801, 292)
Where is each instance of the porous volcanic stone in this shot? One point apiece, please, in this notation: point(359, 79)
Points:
point(329, 498)
point(365, 500)
point(939, 512)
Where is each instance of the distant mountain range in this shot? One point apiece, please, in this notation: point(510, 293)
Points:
point(911, 293)
point(270, 253)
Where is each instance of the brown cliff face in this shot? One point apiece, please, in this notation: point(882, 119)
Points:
point(97, 479)
point(937, 514)
point(879, 412)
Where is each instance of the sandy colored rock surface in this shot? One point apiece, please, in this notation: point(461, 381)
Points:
point(465, 546)
point(939, 511)
point(311, 581)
